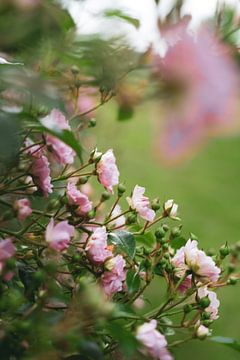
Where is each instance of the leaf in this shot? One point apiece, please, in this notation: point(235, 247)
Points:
point(65, 136)
point(178, 242)
point(125, 242)
point(127, 342)
point(118, 13)
point(232, 343)
point(133, 281)
point(125, 113)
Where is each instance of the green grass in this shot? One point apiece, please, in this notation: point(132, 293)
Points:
point(206, 189)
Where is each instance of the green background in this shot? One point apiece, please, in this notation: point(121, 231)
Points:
point(206, 189)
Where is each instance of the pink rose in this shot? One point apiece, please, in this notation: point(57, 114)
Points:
point(120, 221)
point(40, 172)
point(58, 236)
point(97, 246)
point(141, 204)
point(214, 302)
point(22, 206)
point(189, 257)
point(112, 280)
point(76, 197)
point(107, 171)
point(62, 152)
point(7, 250)
point(201, 67)
point(154, 342)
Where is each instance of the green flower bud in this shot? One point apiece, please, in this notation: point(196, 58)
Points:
point(187, 308)
point(76, 258)
point(169, 267)
point(75, 70)
point(155, 205)
point(207, 323)
point(121, 189)
point(176, 231)
point(105, 196)
point(131, 219)
point(165, 227)
point(160, 233)
point(163, 263)
point(224, 251)
point(53, 204)
point(82, 180)
point(232, 281)
point(51, 268)
point(206, 315)
point(204, 302)
point(92, 123)
point(91, 214)
point(165, 247)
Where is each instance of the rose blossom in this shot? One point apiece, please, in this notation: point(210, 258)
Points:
point(107, 171)
point(97, 246)
point(62, 152)
point(214, 302)
point(171, 208)
point(120, 221)
point(141, 203)
point(112, 280)
point(22, 206)
point(7, 250)
point(76, 197)
point(189, 257)
point(40, 172)
point(201, 68)
point(154, 342)
point(58, 236)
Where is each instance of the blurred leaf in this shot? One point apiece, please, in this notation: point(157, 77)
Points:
point(232, 343)
point(127, 341)
point(9, 141)
point(125, 242)
point(178, 242)
point(168, 331)
point(133, 281)
point(119, 14)
point(125, 113)
point(147, 239)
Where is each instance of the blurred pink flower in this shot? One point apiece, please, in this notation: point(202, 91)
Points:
point(120, 221)
point(202, 69)
point(76, 197)
point(97, 246)
point(62, 152)
point(107, 170)
point(40, 172)
point(7, 250)
point(153, 341)
point(189, 257)
point(58, 236)
point(112, 280)
point(214, 302)
point(141, 203)
point(87, 101)
point(23, 208)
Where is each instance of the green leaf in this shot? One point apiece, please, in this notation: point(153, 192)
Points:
point(125, 113)
point(127, 341)
point(178, 242)
point(119, 14)
point(232, 343)
point(65, 136)
point(125, 242)
point(133, 281)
